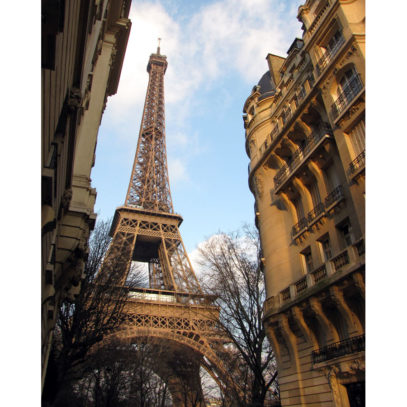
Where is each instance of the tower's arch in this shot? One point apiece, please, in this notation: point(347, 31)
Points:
point(180, 357)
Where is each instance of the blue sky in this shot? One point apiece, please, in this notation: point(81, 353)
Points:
point(216, 53)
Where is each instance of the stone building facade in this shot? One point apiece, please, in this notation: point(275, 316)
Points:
point(83, 43)
point(305, 136)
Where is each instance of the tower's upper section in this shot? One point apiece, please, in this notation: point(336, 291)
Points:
point(149, 186)
point(157, 60)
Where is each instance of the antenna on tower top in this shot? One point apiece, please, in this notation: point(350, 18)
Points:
point(158, 48)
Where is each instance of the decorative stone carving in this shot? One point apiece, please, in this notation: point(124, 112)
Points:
point(352, 111)
point(331, 374)
point(74, 99)
point(66, 199)
point(352, 51)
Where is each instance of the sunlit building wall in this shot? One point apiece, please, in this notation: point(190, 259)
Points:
point(305, 136)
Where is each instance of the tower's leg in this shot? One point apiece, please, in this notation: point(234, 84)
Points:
point(185, 385)
point(116, 264)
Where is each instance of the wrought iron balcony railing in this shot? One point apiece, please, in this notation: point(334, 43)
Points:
point(334, 197)
point(349, 92)
point(357, 164)
point(331, 200)
point(342, 348)
point(299, 155)
point(298, 227)
point(324, 61)
point(316, 212)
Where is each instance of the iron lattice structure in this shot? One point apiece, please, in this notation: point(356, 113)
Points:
point(173, 309)
point(146, 228)
point(149, 187)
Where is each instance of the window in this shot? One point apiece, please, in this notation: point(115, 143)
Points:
point(311, 80)
point(49, 276)
point(301, 93)
point(53, 17)
point(295, 101)
point(299, 208)
point(316, 198)
point(334, 43)
point(301, 220)
point(286, 115)
point(318, 207)
point(349, 85)
point(332, 178)
point(346, 80)
point(357, 138)
point(274, 131)
point(307, 260)
point(325, 245)
point(345, 232)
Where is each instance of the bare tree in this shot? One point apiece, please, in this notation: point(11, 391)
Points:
point(126, 375)
point(232, 272)
point(81, 324)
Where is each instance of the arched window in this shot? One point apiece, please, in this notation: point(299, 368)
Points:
point(346, 81)
point(349, 85)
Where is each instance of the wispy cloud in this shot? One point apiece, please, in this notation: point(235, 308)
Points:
point(176, 168)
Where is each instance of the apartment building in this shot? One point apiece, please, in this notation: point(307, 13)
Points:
point(83, 43)
point(305, 136)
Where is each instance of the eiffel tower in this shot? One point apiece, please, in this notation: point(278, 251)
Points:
point(173, 310)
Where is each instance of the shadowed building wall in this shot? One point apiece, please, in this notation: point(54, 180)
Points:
point(83, 43)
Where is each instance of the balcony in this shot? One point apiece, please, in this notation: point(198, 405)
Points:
point(301, 285)
point(299, 156)
point(346, 261)
point(348, 94)
point(353, 255)
point(341, 260)
point(285, 294)
point(338, 349)
point(299, 227)
point(319, 273)
point(357, 165)
point(324, 61)
point(334, 197)
point(316, 213)
point(318, 19)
